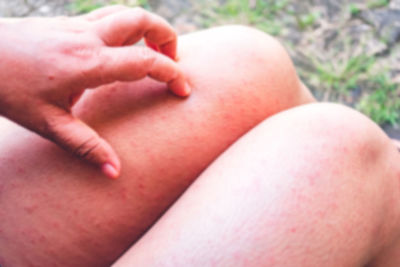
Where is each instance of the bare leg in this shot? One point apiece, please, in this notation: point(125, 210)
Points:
point(56, 211)
point(316, 185)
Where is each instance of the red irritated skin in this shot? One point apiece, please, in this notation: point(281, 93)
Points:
point(47, 63)
point(57, 211)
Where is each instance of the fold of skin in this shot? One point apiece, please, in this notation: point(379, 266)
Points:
point(58, 211)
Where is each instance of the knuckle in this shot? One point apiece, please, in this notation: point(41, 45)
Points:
point(141, 16)
point(87, 149)
point(146, 56)
point(92, 69)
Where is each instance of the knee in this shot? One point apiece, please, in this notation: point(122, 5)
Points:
point(250, 65)
point(326, 142)
point(311, 166)
point(332, 132)
point(337, 154)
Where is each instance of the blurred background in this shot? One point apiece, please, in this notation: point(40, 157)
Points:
point(345, 51)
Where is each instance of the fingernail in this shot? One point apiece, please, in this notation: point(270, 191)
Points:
point(187, 90)
point(110, 171)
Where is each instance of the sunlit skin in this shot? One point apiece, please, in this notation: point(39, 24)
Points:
point(316, 185)
point(47, 63)
point(73, 215)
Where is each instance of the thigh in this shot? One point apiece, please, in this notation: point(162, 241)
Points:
point(312, 186)
point(56, 210)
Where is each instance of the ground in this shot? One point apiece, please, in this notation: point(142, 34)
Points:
point(345, 50)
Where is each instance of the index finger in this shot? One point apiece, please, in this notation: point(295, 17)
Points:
point(112, 64)
point(129, 26)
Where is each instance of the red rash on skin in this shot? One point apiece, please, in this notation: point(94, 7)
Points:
point(56, 225)
point(158, 197)
point(321, 214)
point(111, 222)
point(42, 238)
point(13, 185)
point(30, 209)
point(97, 224)
point(133, 143)
point(228, 116)
point(311, 180)
point(21, 171)
point(141, 187)
point(270, 261)
point(124, 194)
point(75, 212)
point(23, 232)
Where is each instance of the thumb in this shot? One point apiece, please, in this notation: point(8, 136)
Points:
point(82, 141)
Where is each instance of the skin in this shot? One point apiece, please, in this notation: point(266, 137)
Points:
point(61, 57)
point(58, 211)
point(333, 174)
point(316, 185)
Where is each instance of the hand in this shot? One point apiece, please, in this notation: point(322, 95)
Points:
point(47, 63)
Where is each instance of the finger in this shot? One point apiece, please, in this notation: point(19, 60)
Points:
point(129, 26)
point(103, 12)
point(152, 46)
point(134, 63)
point(74, 98)
point(82, 141)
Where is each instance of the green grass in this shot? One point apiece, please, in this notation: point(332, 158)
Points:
point(85, 6)
point(380, 99)
point(354, 9)
point(382, 104)
point(306, 20)
point(343, 77)
point(378, 3)
point(267, 15)
point(261, 14)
